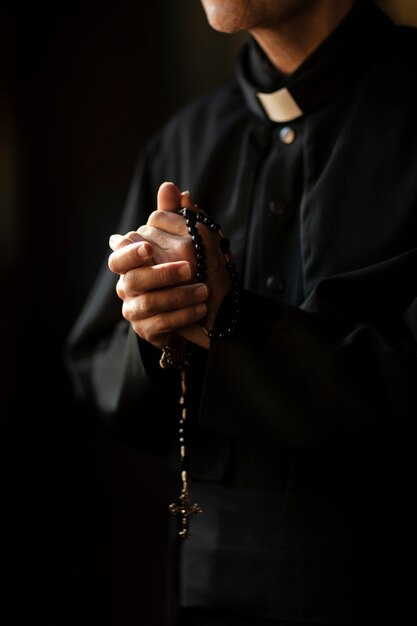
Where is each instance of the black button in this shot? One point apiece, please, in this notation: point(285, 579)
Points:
point(275, 283)
point(278, 207)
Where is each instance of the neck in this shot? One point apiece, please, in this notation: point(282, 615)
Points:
point(289, 42)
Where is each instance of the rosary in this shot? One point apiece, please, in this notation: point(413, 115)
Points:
point(174, 353)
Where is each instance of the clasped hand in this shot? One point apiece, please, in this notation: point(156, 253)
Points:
point(156, 265)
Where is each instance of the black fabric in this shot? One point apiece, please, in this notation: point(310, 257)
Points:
point(190, 617)
point(303, 438)
point(329, 71)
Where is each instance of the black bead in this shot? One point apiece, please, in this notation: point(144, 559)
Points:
point(224, 245)
point(191, 218)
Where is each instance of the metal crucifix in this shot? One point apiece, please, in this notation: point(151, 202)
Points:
point(184, 508)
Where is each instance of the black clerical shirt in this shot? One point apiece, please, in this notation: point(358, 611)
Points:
point(302, 446)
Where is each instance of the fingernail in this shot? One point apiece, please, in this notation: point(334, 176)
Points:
point(143, 251)
point(133, 236)
point(114, 238)
point(201, 309)
point(184, 271)
point(200, 291)
point(185, 193)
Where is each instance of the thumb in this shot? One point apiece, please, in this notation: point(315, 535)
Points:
point(168, 198)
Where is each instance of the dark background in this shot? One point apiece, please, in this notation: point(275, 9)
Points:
point(85, 520)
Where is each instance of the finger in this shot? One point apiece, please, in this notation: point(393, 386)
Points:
point(117, 241)
point(158, 328)
point(186, 200)
point(166, 221)
point(188, 203)
point(128, 255)
point(150, 277)
point(168, 246)
point(120, 288)
point(168, 198)
point(163, 300)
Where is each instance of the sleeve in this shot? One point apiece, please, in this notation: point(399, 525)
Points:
point(336, 377)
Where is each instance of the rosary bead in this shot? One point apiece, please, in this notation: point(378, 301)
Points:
point(170, 358)
point(191, 219)
point(224, 245)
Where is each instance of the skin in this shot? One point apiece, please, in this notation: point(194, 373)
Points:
point(287, 30)
point(156, 263)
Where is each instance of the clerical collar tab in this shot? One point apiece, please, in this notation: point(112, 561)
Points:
point(279, 105)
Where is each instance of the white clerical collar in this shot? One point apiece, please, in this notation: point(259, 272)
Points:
point(279, 105)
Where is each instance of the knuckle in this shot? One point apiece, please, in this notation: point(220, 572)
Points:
point(154, 218)
point(125, 311)
point(140, 331)
point(165, 275)
point(146, 303)
point(110, 262)
point(143, 230)
point(126, 282)
point(132, 236)
point(120, 288)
